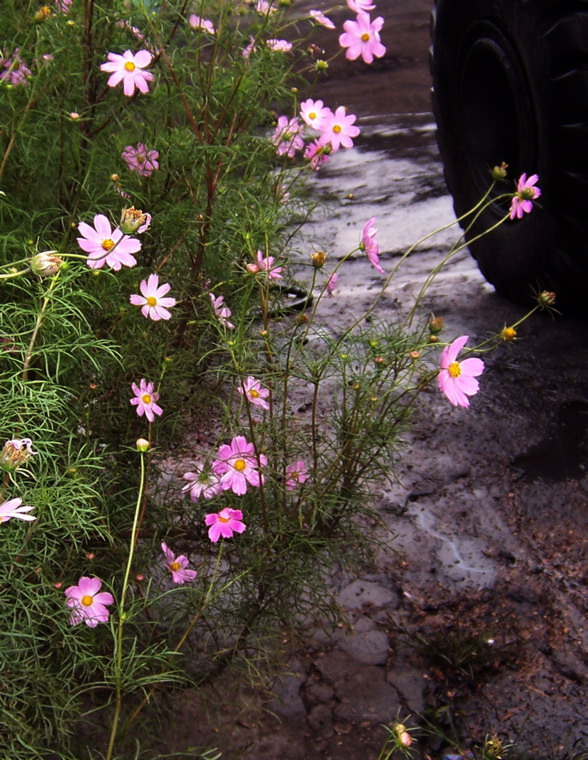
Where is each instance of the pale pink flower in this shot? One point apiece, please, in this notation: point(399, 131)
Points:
point(362, 38)
point(155, 305)
point(279, 46)
point(338, 129)
point(225, 523)
point(265, 8)
point(254, 392)
point(360, 6)
point(249, 49)
point(146, 400)
point(137, 33)
point(287, 137)
point(129, 68)
point(296, 474)
point(13, 70)
point(369, 244)
point(222, 312)
point(204, 24)
point(237, 465)
point(141, 160)
point(313, 113)
point(107, 246)
point(87, 602)
point(526, 193)
point(177, 566)
point(331, 283)
point(266, 264)
point(317, 154)
point(321, 19)
point(63, 5)
point(201, 483)
point(12, 508)
point(457, 380)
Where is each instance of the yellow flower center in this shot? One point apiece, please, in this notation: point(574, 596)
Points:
point(151, 301)
point(336, 129)
point(312, 115)
point(240, 465)
point(454, 369)
point(365, 37)
point(87, 600)
point(130, 66)
point(223, 519)
point(253, 393)
point(174, 565)
point(141, 159)
point(108, 244)
point(146, 398)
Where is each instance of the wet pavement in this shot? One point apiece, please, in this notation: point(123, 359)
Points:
point(477, 598)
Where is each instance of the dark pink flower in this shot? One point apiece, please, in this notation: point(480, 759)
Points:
point(522, 202)
point(457, 380)
point(237, 465)
point(321, 19)
point(317, 154)
point(177, 566)
point(225, 523)
point(128, 68)
point(369, 244)
point(266, 264)
point(362, 38)
point(254, 392)
point(338, 129)
point(146, 400)
point(141, 160)
point(107, 246)
point(87, 602)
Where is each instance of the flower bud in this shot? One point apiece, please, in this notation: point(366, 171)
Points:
point(432, 339)
point(405, 739)
point(114, 177)
point(132, 220)
point(74, 115)
point(508, 333)
point(321, 65)
point(436, 324)
point(252, 268)
point(15, 454)
point(46, 263)
point(499, 172)
point(142, 444)
point(546, 298)
point(318, 259)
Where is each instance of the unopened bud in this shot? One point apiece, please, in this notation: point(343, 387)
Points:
point(436, 324)
point(58, 585)
point(142, 444)
point(314, 50)
point(546, 298)
point(74, 115)
point(252, 268)
point(114, 177)
point(379, 360)
point(415, 354)
point(499, 172)
point(46, 263)
point(302, 319)
point(508, 333)
point(90, 555)
point(432, 339)
point(405, 739)
point(133, 220)
point(321, 65)
point(15, 454)
point(43, 13)
point(318, 259)
point(139, 577)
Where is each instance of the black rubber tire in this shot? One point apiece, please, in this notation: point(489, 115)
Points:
point(510, 83)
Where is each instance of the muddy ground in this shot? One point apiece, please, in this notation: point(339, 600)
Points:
point(475, 608)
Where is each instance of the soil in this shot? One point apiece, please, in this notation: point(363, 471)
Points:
point(475, 608)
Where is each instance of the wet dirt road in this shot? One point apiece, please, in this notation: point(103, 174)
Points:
point(484, 529)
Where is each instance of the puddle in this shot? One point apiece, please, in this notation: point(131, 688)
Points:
point(563, 454)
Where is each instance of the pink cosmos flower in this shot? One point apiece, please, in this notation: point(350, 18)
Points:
point(296, 474)
point(106, 246)
point(146, 400)
point(222, 312)
point(63, 5)
point(369, 244)
point(237, 465)
point(16, 453)
point(87, 602)
point(13, 70)
point(457, 380)
point(265, 8)
point(154, 304)
point(360, 6)
point(331, 283)
point(362, 38)
point(321, 19)
point(254, 392)
point(12, 508)
point(266, 264)
point(201, 483)
point(128, 68)
point(313, 113)
point(338, 129)
point(249, 49)
point(203, 24)
point(287, 137)
point(526, 193)
point(317, 154)
point(225, 523)
point(279, 46)
point(177, 566)
point(141, 160)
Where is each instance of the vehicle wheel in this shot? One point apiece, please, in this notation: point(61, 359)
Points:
point(510, 83)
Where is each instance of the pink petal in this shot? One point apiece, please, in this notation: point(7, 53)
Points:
point(472, 367)
point(455, 348)
point(143, 58)
point(89, 586)
point(137, 300)
point(467, 384)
